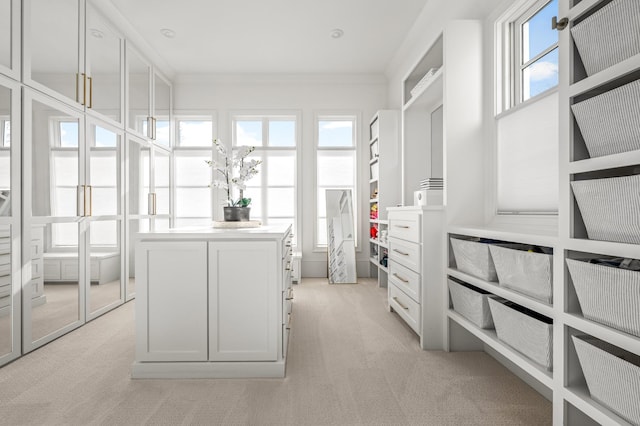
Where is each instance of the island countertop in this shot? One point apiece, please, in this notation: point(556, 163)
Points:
point(209, 232)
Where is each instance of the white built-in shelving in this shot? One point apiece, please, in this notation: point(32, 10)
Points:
point(576, 406)
point(384, 162)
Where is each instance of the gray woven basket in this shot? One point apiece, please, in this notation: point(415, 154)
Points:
point(609, 36)
point(526, 334)
point(523, 271)
point(474, 259)
point(612, 375)
point(610, 207)
point(608, 295)
point(610, 122)
point(471, 304)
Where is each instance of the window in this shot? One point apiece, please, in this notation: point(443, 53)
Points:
point(335, 165)
point(527, 136)
point(194, 147)
point(530, 51)
point(273, 191)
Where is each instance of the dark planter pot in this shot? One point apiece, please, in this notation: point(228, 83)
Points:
point(236, 214)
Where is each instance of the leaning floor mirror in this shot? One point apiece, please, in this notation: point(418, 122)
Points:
point(341, 250)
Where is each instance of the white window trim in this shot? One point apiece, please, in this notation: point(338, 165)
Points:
point(507, 78)
point(355, 196)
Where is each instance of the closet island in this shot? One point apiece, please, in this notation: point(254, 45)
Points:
point(213, 302)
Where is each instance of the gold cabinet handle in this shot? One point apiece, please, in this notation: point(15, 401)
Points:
point(401, 252)
point(400, 304)
point(90, 201)
point(84, 89)
point(80, 202)
point(289, 295)
point(402, 226)
point(151, 208)
point(400, 278)
point(77, 89)
point(90, 92)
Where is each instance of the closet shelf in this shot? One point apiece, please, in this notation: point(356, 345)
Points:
point(536, 235)
point(490, 338)
point(604, 247)
point(580, 398)
point(619, 338)
point(494, 288)
point(613, 161)
point(430, 95)
point(608, 75)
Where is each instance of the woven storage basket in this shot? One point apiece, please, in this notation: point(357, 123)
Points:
point(471, 303)
point(612, 375)
point(474, 259)
point(610, 208)
point(610, 122)
point(609, 36)
point(523, 271)
point(517, 327)
point(608, 295)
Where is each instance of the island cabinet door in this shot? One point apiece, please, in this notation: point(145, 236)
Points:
point(171, 301)
point(244, 298)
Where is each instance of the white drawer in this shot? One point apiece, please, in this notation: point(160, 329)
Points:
point(405, 253)
point(52, 270)
point(405, 225)
point(406, 308)
point(405, 279)
point(36, 269)
point(36, 250)
point(287, 303)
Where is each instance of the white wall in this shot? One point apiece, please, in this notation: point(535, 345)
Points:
point(308, 94)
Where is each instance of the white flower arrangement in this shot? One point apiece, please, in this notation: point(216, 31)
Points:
point(232, 171)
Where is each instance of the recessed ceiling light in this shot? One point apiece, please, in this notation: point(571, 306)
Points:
point(96, 33)
point(336, 33)
point(168, 33)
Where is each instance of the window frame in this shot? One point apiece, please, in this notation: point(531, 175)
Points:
point(509, 53)
point(265, 117)
point(356, 120)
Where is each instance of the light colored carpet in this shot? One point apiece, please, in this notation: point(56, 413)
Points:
point(351, 362)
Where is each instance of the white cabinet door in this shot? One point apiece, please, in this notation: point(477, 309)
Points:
point(243, 301)
point(171, 301)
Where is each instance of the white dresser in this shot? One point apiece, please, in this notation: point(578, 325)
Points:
point(416, 265)
point(213, 302)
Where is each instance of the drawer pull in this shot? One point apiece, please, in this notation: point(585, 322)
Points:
point(400, 278)
point(290, 295)
point(401, 252)
point(401, 305)
point(402, 226)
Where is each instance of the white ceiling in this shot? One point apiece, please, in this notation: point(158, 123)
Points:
point(273, 36)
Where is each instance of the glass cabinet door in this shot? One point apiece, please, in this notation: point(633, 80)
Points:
point(52, 54)
point(139, 101)
point(162, 111)
point(104, 283)
point(138, 189)
point(103, 66)
point(10, 38)
point(54, 203)
point(9, 222)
